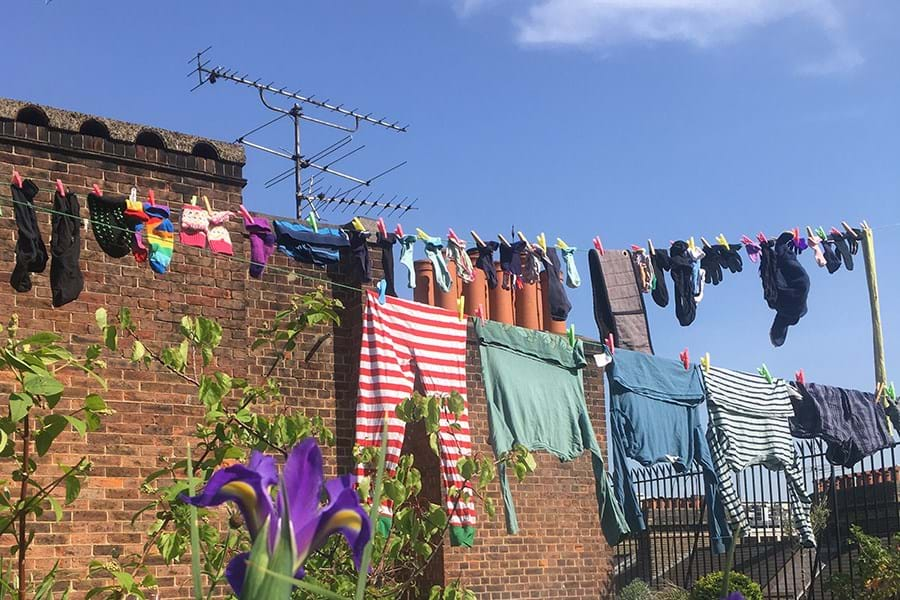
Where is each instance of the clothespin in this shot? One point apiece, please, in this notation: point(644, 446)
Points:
point(382, 291)
point(650, 247)
point(60, 187)
point(399, 230)
point(704, 242)
point(478, 241)
point(132, 195)
point(764, 372)
point(599, 245)
point(503, 240)
point(685, 358)
point(194, 200)
point(691, 244)
point(207, 204)
point(246, 213)
point(704, 361)
point(800, 377)
point(571, 334)
point(96, 190)
point(890, 392)
point(451, 235)
point(721, 239)
point(820, 231)
point(747, 241)
point(311, 219)
point(479, 312)
point(762, 238)
point(636, 249)
point(524, 239)
point(610, 344)
point(151, 198)
point(561, 244)
point(357, 224)
point(542, 242)
point(849, 230)
point(380, 224)
point(17, 179)
point(422, 235)
point(809, 232)
point(461, 308)
point(796, 232)
point(836, 231)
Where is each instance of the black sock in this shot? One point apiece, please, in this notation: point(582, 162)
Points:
point(485, 262)
point(556, 292)
point(387, 260)
point(681, 267)
point(31, 253)
point(109, 225)
point(66, 280)
point(843, 249)
point(359, 250)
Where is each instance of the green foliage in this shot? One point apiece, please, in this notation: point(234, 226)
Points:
point(876, 569)
point(709, 587)
point(671, 591)
point(32, 425)
point(636, 590)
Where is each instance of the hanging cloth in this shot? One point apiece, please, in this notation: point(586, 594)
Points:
point(31, 253)
point(109, 224)
point(785, 285)
point(66, 279)
point(618, 303)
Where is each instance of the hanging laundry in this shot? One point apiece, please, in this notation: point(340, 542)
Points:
point(305, 245)
point(698, 276)
point(618, 303)
point(573, 279)
point(456, 252)
point(219, 238)
point(660, 261)
point(850, 422)
point(511, 264)
point(842, 249)
point(404, 342)
point(485, 262)
point(262, 242)
point(749, 426)
point(386, 243)
point(681, 268)
point(434, 252)
point(407, 245)
point(785, 285)
point(654, 417)
point(832, 258)
point(644, 270)
point(556, 293)
point(160, 237)
point(718, 258)
point(136, 219)
point(31, 253)
point(753, 250)
point(110, 228)
point(359, 252)
point(532, 264)
point(815, 244)
point(194, 226)
point(66, 279)
point(535, 394)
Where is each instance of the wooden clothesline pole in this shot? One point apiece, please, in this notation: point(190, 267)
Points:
point(868, 243)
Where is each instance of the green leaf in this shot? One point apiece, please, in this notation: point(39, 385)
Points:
point(42, 385)
point(73, 488)
point(466, 467)
point(77, 424)
point(101, 317)
point(530, 462)
point(53, 426)
point(125, 317)
point(125, 580)
point(4, 439)
point(40, 339)
point(432, 415)
point(137, 351)
point(110, 338)
point(18, 405)
point(57, 508)
point(196, 574)
point(95, 403)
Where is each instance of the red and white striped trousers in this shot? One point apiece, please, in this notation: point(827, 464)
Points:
point(401, 340)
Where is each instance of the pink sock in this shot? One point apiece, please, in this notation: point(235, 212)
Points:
point(194, 224)
point(219, 238)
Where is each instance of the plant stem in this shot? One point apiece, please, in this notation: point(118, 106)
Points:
point(23, 496)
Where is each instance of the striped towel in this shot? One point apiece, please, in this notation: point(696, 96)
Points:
point(749, 426)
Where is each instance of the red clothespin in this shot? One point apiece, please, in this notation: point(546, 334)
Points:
point(381, 228)
point(636, 248)
point(685, 358)
point(60, 187)
point(399, 230)
point(796, 231)
point(836, 231)
point(800, 377)
point(611, 344)
point(762, 238)
point(17, 179)
point(96, 190)
point(599, 245)
point(747, 241)
point(151, 198)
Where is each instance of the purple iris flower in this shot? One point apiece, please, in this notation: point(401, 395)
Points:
point(311, 521)
point(735, 596)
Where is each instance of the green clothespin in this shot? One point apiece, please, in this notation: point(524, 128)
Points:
point(764, 371)
point(571, 335)
point(890, 392)
point(820, 231)
point(311, 219)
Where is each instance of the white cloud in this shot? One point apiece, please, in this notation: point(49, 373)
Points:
point(702, 23)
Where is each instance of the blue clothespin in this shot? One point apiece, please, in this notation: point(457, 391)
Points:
point(764, 371)
point(382, 292)
point(571, 334)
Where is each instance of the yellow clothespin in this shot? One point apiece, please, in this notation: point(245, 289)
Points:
point(422, 235)
point(357, 224)
point(561, 244)
point(194, 200)
point(208, 205)
point(691, 244)
point(461, 307)
point(542, 242)
point(704, 362)
point(721, 239)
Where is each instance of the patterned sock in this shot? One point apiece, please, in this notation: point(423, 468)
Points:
point(433, 250)
point(457, 253)
point(407, 243)
point(573, 280)
point(136, 217)
point(160, 237)
point(194, 226)
point(219, 238)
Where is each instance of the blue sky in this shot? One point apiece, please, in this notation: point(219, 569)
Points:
point(628, 119)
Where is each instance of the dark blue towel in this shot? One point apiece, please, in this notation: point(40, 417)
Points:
point(303, 244)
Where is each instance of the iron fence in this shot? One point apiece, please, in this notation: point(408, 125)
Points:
point(674, 548)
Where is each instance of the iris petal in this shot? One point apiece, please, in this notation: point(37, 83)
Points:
point(343, 514)
point(303, 485)
point(236, 571)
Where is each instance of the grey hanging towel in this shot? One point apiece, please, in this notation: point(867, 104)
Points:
point(618, 303)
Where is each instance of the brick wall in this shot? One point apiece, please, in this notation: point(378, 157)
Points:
point(560, 552)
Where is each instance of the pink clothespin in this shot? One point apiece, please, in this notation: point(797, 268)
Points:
point(796, 231)
point(479, 312)
point(151, 198)
point(452, 236)
point(611, 344)
point(800, 377)
point(599, 245)
point(399, 230)
point(685, 358)
point(836, 231)
point(762, 238)
point(17, 179)
point(381, 228)
point(747, 241)
point(636, 248)
point(60, 187)
point(96, 190)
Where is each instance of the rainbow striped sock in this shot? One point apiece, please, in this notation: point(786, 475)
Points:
point(160, 237)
